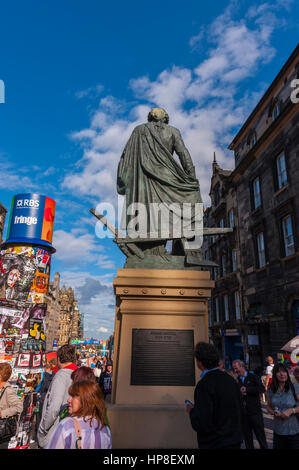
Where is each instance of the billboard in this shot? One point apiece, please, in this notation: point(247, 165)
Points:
point(88, 341)
point(25, 273)
point(31, 220)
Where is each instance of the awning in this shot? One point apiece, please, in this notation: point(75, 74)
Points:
point(291, 345)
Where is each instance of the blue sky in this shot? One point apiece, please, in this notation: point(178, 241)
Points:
point(79, 76)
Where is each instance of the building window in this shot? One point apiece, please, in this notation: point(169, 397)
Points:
point(281, 171)
point(226, 312)
point(210, 313)
point(223, 265)
point(237, 305)
point(261, 249)
point(221, 225)
point(252, 140)
point(217, 309)
point(234, 260)
point(275, 111)
point(288, 237)
point(257, 202)
point(216, 196)
point(231, 218)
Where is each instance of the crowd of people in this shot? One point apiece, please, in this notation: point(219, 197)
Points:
point(227, 407)
point(72, 411)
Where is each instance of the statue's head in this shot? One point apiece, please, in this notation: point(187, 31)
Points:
point(158, 114)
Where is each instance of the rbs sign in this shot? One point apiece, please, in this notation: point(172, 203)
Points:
point(31, 220)
point(27, 203)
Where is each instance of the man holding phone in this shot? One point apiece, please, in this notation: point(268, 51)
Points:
point(216, 415)
point(251, 388)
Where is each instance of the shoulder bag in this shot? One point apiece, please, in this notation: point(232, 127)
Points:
point(78, 433)
point(295, 398)
point(8, 426)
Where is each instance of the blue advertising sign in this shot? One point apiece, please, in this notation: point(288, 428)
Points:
point(31, 220)
point(87, 341)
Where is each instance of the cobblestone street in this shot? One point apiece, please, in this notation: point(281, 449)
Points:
point(268, 421)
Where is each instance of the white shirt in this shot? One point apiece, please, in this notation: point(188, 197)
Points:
point(269, 370)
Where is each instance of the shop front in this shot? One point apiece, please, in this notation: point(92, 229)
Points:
point(233, 345)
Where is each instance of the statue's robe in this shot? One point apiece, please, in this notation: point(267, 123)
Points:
point(148, 172)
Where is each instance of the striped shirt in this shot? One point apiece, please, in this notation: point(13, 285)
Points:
point(64, 437)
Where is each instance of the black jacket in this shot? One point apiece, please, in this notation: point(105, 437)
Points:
point(217, 412)
point(105, 382)
point(48, 377)
point(45, 385)
point(254, 388)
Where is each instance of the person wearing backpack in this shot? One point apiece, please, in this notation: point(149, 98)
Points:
point(57, 394)
point(283, 404)
point(10, 406)
point(86, 426)
point(50, 371)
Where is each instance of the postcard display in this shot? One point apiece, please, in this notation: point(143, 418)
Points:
point(24, 280)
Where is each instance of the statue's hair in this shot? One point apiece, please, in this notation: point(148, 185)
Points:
point(158, 114)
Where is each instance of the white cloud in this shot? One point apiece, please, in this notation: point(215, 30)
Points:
point(90, 92)
point(78, 248)
point(12, 177)
point(77, 278)
point(95, 300)
point(102, 330)
point(195, 41)
point(204, 103)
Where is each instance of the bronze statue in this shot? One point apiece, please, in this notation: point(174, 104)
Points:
point(148, 172)
point(149, 176)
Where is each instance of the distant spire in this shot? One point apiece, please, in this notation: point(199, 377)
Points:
point(215, 164)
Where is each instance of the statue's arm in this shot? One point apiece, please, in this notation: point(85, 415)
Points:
point(121, 185)
point(183, 154)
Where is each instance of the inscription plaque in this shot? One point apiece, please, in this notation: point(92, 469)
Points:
point(162, 357)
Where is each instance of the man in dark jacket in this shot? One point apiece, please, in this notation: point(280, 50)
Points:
point(216, 415)
point(251, 387)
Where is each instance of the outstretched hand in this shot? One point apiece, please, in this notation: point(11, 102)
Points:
point(189, 408)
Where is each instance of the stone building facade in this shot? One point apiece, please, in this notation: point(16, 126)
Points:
point(69, 324)
point(263, 189)
point(53, 313)
point(63, 315)
point(3, 212)
point(225, 307)
point(81, 326)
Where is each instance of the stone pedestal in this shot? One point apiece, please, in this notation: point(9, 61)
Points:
point(154, 416)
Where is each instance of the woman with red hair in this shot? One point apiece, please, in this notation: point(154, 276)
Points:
point(85, 428)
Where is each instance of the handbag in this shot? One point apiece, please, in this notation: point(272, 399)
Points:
point(64, 411)
point(8, 426)
point(97, 372)
point(295, 398)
